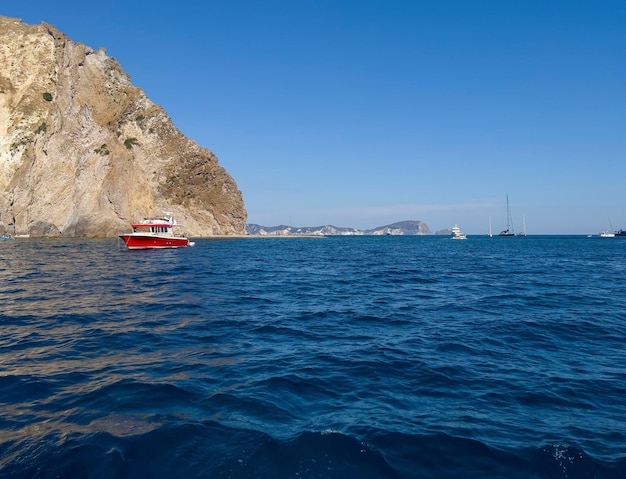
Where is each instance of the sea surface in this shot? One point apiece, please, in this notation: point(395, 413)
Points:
point(339, 357)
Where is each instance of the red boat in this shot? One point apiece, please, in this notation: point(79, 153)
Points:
point(155, 233)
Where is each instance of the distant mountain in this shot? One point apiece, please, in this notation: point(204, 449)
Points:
point(400, 228)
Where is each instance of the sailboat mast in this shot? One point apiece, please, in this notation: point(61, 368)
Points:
point(523, 233)
point(509, 227)
point(509, 221)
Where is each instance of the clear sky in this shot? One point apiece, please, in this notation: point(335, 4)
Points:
point(363, 113)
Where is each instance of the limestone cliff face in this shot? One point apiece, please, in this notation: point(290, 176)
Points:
point(85, 153)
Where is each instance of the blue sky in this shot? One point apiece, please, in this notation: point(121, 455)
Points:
point(364, 113)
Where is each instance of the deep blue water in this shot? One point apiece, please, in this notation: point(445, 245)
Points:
point(342, 357)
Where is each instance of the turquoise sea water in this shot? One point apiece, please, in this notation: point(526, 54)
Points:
point(365, 357)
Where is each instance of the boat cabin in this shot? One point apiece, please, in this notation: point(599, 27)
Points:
point(154, 228)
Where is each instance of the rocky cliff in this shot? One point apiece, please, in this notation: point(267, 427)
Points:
point(83, 152)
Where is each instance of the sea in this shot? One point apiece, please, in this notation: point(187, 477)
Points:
point(337, 357)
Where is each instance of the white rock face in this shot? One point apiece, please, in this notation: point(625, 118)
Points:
point(85, 153)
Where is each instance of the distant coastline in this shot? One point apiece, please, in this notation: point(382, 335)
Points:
point(408, 227)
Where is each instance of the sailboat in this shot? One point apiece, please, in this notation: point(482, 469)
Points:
point(489, 232)
point(509, 228)
point(523, 233)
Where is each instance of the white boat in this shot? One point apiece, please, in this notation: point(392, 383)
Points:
point(609, 233)
point(457, 234)
point(489, 233)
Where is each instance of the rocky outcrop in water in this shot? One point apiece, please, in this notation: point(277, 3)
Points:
point(83, 152)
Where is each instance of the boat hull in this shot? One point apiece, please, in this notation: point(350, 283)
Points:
point(135, 241)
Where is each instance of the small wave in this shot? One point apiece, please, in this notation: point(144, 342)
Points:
point(443, 455)
point(567, 462)
point(129, 395)
point(211, 450)
point(202, 450)
point(23, 388)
